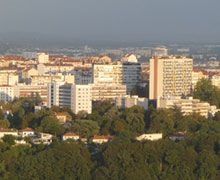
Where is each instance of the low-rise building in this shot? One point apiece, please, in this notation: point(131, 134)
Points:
point(70, 135)
point(129, 101)
point(11, 132)
point(101, 139)
point(27, 132)
point(188, 105)
point(150, 137)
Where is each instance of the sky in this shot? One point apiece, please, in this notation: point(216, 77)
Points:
point(116, 20)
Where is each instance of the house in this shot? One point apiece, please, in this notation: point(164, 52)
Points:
point(179, 136)
point(150, 137)
point(4, 132)
point(70, 135)
point(101, 139)
point(27, 132)
point(43, 138)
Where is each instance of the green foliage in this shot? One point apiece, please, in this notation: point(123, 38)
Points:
point(205, 91)
point(9, 139)
point(85, 128)
point(5, 124)
point(50, 124)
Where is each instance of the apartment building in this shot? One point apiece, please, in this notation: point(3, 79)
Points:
point(170, 76)
point(188, 106)
point(128, 74)
point(8, 78)
point(130, 101)
point(76, 97)
point(101, 92)
point(8, 93)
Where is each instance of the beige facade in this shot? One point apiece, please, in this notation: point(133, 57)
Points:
point(188, 106)
point(128, 74)
point(170, 76)
point(8, 78)
point(196, 76)
point(216, 80)
point(101, 92)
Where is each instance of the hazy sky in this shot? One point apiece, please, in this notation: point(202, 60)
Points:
point(124, 20)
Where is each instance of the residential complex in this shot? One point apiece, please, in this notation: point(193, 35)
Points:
point(188, 106)
point(76, 97)
point(130, 101)
point(170, 76)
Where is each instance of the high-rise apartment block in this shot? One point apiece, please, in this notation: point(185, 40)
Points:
point(128, 74)
point(76, 97)
point(170, 76)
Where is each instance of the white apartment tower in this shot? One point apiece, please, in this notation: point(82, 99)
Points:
point(170, 76)
point(76, 97)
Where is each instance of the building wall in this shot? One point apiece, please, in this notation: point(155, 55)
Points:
point(170, 76)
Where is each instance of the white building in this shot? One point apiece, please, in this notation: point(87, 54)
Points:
point(150, 137)
point(129, 101)
point(8, 93)
point(81, 98)
point(70, 135)
point(11, 132)
point(188, 106)
point(27, 132)
point(170, 76)
point(76, 97)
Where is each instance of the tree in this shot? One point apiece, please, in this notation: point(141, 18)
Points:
point(205, 91)
point(9, 139)
point(50, 124)
point(5, 124)
point(85, 128)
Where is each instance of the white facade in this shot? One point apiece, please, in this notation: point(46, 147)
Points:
point(170, 76)
point(76, 97)
point(188, 106)
point(150, 137)
point(9, 79)
point(11, 132)
point(81, 98)
point(8, 93)
point(129, 101)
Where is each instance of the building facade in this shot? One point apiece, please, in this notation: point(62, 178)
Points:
point(170, 76)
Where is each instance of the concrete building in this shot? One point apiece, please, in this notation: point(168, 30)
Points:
point(102, 92)
point(8, 93)
point(128, 74)
point(8, 78)
point(188, 106)
point(216, 80)
point(76, 97)
point(33, 91)
point(196, 76)
point(130, 101)
point(150, 137)
point(42, 58)
point(170, 76)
